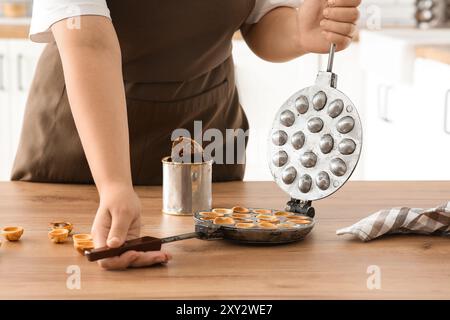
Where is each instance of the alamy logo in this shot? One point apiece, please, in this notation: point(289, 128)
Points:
point(74, 279)
point(373, 21)
point(228, 148)
point(374, 280)
point(74, 22)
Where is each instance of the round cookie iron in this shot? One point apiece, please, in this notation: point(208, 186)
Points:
point(315, 142)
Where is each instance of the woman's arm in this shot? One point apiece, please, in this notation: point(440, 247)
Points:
point(92, 68)
point(91, 61)
point(286, 33)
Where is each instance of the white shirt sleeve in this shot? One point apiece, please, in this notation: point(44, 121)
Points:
point(48, 12)
point(264, 6)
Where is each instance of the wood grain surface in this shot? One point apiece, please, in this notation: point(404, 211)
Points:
point(321, 266)
point(14, 31)
point(439, 53)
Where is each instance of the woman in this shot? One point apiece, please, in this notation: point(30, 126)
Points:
point(117, 77)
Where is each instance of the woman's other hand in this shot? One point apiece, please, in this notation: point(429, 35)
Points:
point(286, 33)
point(119, 219)
point(323, 22)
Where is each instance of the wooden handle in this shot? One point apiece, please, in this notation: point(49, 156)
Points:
point(139, 244)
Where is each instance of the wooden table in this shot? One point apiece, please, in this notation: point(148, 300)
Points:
point(322, 266)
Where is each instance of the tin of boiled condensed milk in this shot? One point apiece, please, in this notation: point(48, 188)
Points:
point(187, 184)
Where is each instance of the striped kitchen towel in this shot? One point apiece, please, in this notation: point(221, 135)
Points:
point(402, 220)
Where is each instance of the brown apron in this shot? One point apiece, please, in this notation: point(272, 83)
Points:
point(177, 69)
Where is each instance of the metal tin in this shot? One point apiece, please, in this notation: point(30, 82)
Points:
point(187, 187)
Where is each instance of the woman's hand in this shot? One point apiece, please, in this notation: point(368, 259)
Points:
point(323, 22)
point(119, 219)
point(286, 33)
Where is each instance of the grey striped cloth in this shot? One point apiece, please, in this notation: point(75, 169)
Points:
point(402, 220)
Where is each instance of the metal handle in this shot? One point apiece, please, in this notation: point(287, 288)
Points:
point(180, 237)
point(20, 85)
point(328, 78)
point(446, 103)
point(2, 72)
point(331, 57)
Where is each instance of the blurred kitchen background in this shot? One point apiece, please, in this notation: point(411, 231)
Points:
point(397, 73)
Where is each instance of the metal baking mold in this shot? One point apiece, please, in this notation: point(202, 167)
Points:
point(321, 134)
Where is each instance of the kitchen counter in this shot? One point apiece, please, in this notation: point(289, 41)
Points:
point(439, 53)
point(321, 266)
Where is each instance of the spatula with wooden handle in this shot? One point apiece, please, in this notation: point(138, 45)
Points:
point(140, 244)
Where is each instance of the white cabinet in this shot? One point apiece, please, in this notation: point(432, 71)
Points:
point(407, 134)
point(430, 121)
point(18, 59)
point(404, 136)
point(387, 130)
